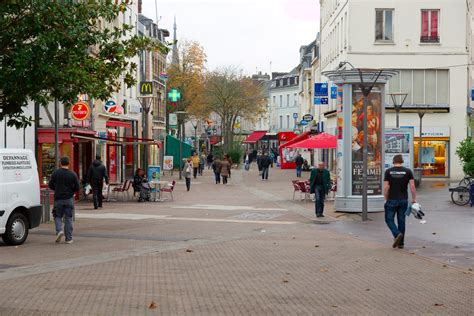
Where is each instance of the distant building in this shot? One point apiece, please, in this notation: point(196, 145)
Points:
point(285, 110)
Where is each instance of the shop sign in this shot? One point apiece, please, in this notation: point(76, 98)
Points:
point(431, 131)
point(146, 87)
point(110, 106)
point(307, 117)
point(80, 111)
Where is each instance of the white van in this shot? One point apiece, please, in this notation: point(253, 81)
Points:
point(20, 207)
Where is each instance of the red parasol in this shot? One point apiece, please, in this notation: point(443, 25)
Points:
point(322, 141)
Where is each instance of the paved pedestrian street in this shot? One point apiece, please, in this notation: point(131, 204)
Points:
point(242, 249)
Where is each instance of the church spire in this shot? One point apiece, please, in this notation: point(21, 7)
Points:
point(175, 56)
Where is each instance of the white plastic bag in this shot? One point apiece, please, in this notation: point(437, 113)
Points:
point(87, 189)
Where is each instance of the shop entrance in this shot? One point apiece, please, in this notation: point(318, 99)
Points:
point(434, 156)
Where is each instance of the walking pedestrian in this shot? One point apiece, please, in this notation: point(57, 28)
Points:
point(320, 183)
point(187, 170)
point(202, 163)
point(225, 169)
point(247, 161)
point(395, 189)
point(96, 175)
point(299, 161)
point(216, 167)
point(210, 159)
point(258, 159)
point(64, 183)
point(195, 161)
point(265, 163)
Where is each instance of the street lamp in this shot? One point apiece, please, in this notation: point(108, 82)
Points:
point(181, 115)
point(365, 89)
point(422, 109)
point(194, 123)
point(398, 106)
point(145, 102)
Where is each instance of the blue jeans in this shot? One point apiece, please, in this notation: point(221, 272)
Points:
point(396, 208)
point(319, 196)
point(298, 172)
point(64, 208)
point(218, 177)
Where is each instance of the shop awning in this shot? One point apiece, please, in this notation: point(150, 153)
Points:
point(255, 137)
point(320, 141)
point(298, 138)
point(118, 141)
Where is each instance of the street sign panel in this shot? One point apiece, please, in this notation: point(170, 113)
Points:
point(321, 89)
point(163, 76)
point(334, 92)
point(295, 115)
point(324, 101)
point(303, 122)
point(307, 117)
point(472, 94)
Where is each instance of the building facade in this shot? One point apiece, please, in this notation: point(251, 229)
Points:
point(285, 111)
point(426, 43)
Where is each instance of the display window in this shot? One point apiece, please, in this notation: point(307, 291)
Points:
point(434, 157)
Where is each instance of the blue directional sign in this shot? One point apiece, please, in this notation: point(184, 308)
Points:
point(317, 100)
point(295, 115)
point(334, 92)
point(324, 100)
point(472, 94)
point(303, 122)
point(321, 89)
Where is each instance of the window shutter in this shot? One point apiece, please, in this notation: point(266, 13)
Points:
point(434, 24)
point(424, 23)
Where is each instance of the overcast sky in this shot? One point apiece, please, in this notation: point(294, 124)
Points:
point(245, 33)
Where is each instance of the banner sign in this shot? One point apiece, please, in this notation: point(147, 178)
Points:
point(399, 142)
point(374, 140)
point(80, 111)
point(168, 163)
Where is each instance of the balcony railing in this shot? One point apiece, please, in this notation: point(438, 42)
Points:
point(429, 39)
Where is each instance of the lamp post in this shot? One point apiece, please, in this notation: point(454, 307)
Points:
point(365, 88)
point(396, 105)
point(181, 115)
point(145, 102)
point(194, 123)
point(422, 109)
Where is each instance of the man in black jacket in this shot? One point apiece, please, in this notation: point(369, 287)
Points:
point(95, 176)
point(64, 183)
point(265, 163)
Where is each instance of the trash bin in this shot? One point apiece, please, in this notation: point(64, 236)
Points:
point(417, 175)
point(46, 202)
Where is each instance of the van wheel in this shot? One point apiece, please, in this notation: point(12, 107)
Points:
point(17, 229)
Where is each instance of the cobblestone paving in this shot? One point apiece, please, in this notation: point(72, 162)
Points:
point(301, 272)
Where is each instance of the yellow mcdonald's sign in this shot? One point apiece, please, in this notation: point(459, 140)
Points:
point(146, 87)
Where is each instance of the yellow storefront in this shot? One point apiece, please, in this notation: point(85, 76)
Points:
point(435, 151)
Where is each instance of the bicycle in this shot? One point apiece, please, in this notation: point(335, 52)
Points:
point(466, 182)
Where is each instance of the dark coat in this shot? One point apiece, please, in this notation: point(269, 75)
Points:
point(97, 173)
point(326, 180)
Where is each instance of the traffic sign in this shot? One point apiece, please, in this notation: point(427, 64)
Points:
point(324, 101)
point(295, 115)
point(472, 94)
point(317, 101)
point(303, 122)
point(321, 89)
point(163, 76)
point(307, 117)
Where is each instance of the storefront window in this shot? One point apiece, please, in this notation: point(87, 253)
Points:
point(434, 158)
point(47, 162)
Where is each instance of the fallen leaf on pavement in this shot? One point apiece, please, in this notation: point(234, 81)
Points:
point(285, 281)
point(152, 305)
point(434, 233)
point(444, 266)
point(316, 246)
point(437, 304)
point(333, 305)
point(293, 237)
point(288, 273)
point(367, 290)
point(323, 270)
point(423, 247)
point(189, 250)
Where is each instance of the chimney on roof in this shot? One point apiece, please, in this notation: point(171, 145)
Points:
point(140, 6)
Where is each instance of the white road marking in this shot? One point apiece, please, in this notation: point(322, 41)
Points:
point(123, 216)
point(226, 207)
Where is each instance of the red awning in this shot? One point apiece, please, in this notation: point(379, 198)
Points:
point(320, 141)
point(255, 137)
point(298, 138)
point(113, 123)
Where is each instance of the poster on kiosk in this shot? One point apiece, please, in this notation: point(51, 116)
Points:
point(154, 173)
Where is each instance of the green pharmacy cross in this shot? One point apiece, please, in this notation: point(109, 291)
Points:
point(174, 95)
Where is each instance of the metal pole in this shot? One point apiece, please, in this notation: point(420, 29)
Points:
point(37, 109)
point(180, 147)
point(147, 109)
point(24, 137)
point(5, 131)
point(398, 119)
point(420, 146)
point(56, 132)
point(365, 165)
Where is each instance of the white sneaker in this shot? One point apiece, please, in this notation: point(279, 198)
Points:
point(59, 236)
point(69, 241)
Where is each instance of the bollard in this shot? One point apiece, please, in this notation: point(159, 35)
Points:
point(46, 203)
